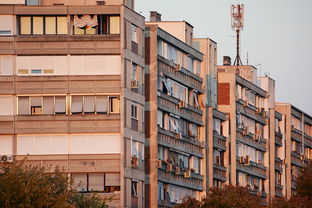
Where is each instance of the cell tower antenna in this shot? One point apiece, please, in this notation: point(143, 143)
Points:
point(237, 12)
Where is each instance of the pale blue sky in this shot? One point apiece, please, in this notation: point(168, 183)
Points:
point(277, 34)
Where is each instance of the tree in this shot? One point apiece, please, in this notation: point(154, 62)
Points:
point(229, 196)
point(31, 187)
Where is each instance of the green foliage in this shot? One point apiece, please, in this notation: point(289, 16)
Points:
point(31, 187)
point(228, 197)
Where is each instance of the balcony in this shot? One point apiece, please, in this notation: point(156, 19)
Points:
point(308, 140)
point(171, 104)
point(250, 111)
point(293, 184)
point(219, 172)
point(296, 135)
point(278, 190)
point(252, 168)
point(61, 44)
point(171, 140)
point(296, 159)
point(250, 139)
point(181, 75)
point(194, 181)
point(219, 141)
point(87, 123)
point(278, 138)
point(278, 164)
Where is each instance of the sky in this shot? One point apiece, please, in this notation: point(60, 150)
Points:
point(277, 36)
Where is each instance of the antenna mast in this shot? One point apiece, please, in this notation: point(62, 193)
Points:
point(237, 12)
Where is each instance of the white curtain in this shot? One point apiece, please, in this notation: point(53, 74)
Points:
point(85, 20)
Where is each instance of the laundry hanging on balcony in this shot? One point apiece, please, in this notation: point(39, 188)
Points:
point(85, 20)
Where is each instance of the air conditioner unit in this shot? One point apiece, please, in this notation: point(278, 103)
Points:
point(134, 162)
point(169, 167)
point(182, 104)
point(187, 173)
point(6, 158)
point(134, 84)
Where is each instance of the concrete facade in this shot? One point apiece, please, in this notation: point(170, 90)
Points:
point(72, 92)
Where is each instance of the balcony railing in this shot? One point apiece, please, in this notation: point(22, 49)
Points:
point(278, 138)
point(250, 112)
point(278, 190)
point(252, 168)
point(170, 104)
point(296, 159)
point(219, 172)
point(183, 144)
point(278, 164)
point(296, 135)
point(219, 141)
point(251, 140)
point(194, 181)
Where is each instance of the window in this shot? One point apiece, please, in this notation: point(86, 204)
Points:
point(96, 24)
point(39, 25)
point(6, 24)
point(89, 104)
point(134, 33)
point(134, 71)
point(46, 105)
point(114, 104)
point(134, 188)
point(96, 182)
point(190, 64)
point(134, 110)
point(32, 2)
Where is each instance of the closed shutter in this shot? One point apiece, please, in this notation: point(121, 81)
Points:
point(60, 104)
point(76, 105)
point(101, 104)
point(48, 105)
point(23, 105)
point(88, 105)
point(96, 182)
point(112, 179)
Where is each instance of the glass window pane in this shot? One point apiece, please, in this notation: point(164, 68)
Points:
point(114, 27)
point(96, 182)
point(91, 31)
point(37, 25)
point(78, 31)
point(114, 105)
point(25, 25)
point(62, 25)
point(50, 25)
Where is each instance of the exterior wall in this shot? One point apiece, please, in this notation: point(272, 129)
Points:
point(169, 146)
point(86, 66)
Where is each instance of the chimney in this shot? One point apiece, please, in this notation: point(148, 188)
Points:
point(226, 61)
point(155, 16)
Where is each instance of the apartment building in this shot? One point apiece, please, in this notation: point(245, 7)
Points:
point(247, 105)
point(297, 146)
point(215, 122)
point(174, 114)
point(72, 92)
